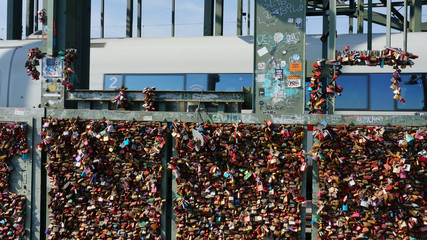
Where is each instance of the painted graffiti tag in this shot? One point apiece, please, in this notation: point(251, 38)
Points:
point(271, 41)
point(281, 7)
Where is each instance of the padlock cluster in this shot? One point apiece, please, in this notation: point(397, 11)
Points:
point(372, 182)
point(12, 216)
point(42, 15)
point(395, 81)
point(121, 101)
point(68, 56)
point(13, 142)
point(394, 57)
point(34, 54)
point(148, 101)
point(238, 181)
point(318, 96)
point(105, 178)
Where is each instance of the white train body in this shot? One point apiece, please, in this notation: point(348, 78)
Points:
point(228, 54)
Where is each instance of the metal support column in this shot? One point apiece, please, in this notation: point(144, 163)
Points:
point(325, 26)
point(219, 17)
point(29, 29)
point(129, 18)
point(208, 15)
point(239, 17)
point(36, 16)
point(405, 26)
point(14, 20)
point(248, 16)
point(70, 29)
point(173, 18)
point(369, 24)
point(350, 18)
point(139, 20)
point(332, 46)
point(360, 16)
point(415, 16)
point(279, 70)
point(388, 24)
point(102, 18)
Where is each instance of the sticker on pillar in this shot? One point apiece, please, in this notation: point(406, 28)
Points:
point(262, 51)
point(298, 22)
point(278, 37)
point(290, 20)
point(260, 77)
point(294, 81)
point(296, 57)
point(295, 67)
point(282, 64)
point(261, 92)
point(261, 65)
point(278, 74)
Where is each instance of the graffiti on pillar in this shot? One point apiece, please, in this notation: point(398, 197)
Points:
point(279, 44)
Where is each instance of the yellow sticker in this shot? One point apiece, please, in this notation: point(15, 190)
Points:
point(52, 87)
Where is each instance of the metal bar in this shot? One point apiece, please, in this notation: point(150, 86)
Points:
point(405, 26)
point(369, 24)
point(345, 11)
point(325, 26)
point(102, 18)
point(394, 11)
point(415, 24)
point(248, 17)
point(239, 17)
point(208, 18)
point(219, 17)
point(332, 46)
point(381, 19)
point(51, 26)
point(173, 18)
point(14, 20)
point(360, 120)
point(360, 16)
point(36, 16)
point(129, 18)
point(167, 96)
point(139, 20)
point(388, 24)
point(29, 18)
point(350, 24)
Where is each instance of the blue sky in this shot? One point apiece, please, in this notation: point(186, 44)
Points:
point(189, 18)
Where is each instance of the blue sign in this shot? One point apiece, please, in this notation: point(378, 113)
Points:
point(112, 82)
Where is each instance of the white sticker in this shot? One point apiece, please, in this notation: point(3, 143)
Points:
point(261, 65)
point(19, 112)
point(283, 64)
point(262, 51)
point(260, 77)
point(147, 118)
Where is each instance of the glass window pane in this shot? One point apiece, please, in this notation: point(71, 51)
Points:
point(355, 92)
point(233, 82)
point(412, 93)
point(196, 82)
point(112, 82)
point(165, 82)
point(381, 95)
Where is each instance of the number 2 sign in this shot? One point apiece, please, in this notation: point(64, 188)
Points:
point(112, 82)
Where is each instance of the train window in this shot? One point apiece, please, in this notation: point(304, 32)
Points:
point(412, 92)
point(164, 82)
point(355, 93)
point(361, 89)
point(380, 93)
point(179, 82)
